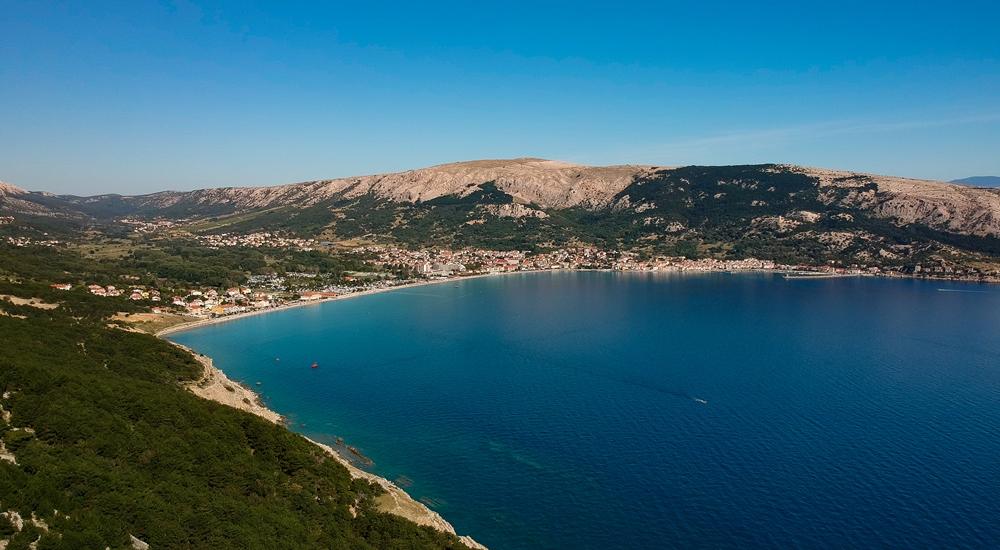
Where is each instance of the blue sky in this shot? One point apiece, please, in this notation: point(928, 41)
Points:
point(136, 96)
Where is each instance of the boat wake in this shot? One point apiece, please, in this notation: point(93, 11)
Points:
point(963, 290)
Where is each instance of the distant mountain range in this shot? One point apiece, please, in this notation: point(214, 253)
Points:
point(979, 181)
point(770, 210)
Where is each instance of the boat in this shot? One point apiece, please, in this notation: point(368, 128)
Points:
point(315, 365)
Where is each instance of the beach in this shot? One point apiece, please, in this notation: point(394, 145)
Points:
point(494, 401)
point(214, 385)
point(790, 273)
point(226, 318)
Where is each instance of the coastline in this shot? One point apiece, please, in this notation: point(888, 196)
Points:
point(190, 325)
point(796, 274)
point(214, 385)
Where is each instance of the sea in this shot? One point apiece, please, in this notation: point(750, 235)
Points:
point(655, 410)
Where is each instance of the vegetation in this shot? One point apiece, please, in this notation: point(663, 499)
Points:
point(166, 263)
point(109, 444)
point(726, 212)
point(190, 263)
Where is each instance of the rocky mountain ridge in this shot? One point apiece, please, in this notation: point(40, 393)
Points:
point(537, 186)
point(550, 184)
point(7, 189)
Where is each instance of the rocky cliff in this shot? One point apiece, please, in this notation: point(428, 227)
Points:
point(545, 185)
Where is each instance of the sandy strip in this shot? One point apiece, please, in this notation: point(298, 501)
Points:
point(215, 320)
point(397, 501)
point(226, 318)
point(214, 385)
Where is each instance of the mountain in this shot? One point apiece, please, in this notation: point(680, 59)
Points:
point(979, 181)
point(772, 210)
point(15, 199)
point(550, 184)
point(8, 189)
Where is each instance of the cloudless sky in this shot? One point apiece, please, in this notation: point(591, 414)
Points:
point(136, 96)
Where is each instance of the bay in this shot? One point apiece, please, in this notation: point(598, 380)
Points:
point(645, 410)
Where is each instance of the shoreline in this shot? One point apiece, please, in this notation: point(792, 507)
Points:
point(796, 274)
point(191, 325)
point(214, 385)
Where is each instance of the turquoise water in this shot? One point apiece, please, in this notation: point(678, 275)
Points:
point(618, 410)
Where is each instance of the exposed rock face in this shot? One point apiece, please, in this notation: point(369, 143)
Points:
point(805, 216)
point(547, 183)
point(13, 199)
point(550, 184)
point(137, 544)
point(554, 184)
point(512, 211)
point(945, 206)
point(7, 189)
point(216, 386)
point(536, 184)
point(781, 224)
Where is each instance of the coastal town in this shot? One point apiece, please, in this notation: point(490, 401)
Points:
point(265, 292)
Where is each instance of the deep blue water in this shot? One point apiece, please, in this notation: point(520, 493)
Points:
point(561, 410)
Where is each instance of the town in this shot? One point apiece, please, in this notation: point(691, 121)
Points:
point(392, 266)
point(256, 240)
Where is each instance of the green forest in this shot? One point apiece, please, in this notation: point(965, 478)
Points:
point(109, 444)
point(167, 263)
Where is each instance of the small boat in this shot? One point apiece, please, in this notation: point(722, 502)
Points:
point(315, 365)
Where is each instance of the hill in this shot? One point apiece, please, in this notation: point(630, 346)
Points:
point(541, 184)
point(100, 442)
point(775, 211)
point(97, 422)
point(979, 181)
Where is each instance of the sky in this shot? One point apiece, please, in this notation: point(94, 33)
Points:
point(136, 96)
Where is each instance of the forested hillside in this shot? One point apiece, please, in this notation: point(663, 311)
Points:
point(102, 442)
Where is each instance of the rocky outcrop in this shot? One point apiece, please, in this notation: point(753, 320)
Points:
point(555, 185)
point(7, 189)
point(535, 184)
point(944, 206)
point(547, 183)
point(214, 385)
point(396, 501)
point(15, 199)
point(513, 210)
point(137, 544)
